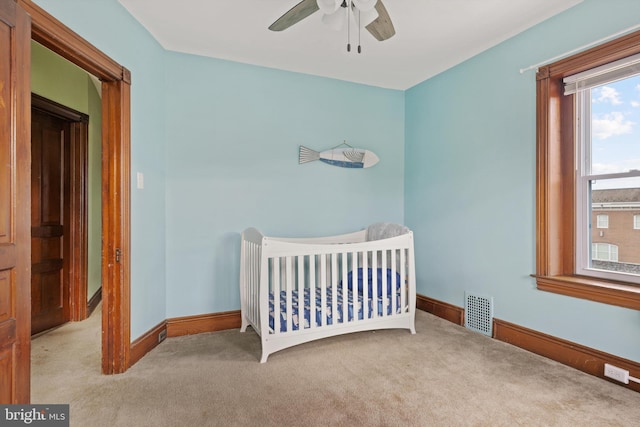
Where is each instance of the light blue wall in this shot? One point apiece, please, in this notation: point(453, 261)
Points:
point(217, 142)
point(227, 135)
point(470, 182)
point(234, 132)
point(110, 28)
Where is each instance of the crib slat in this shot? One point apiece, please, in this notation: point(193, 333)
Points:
point(394, 282)
point(288, 278)
point(374, 284)
point(323, 289)
point(312, 292)
point(354, 289)
point(275, 289)
point(403, 279)
point(300, 266)
point(352, 304)
point(345, 287)
point(258, 272)
point(365, 286)
point(334, 289)
point(385, 297)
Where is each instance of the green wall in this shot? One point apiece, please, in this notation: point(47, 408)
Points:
point(58, 80)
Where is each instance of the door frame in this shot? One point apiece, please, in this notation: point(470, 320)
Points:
point(116, 177)
point(75, 207)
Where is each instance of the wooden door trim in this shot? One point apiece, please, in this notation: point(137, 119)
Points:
point(54, 35)
point(77, 257)
point(116, 223)
point(116, 338)
point(15, 233)
point(76, 208)
point(56, 109)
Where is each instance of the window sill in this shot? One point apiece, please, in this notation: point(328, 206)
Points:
point(607, 292)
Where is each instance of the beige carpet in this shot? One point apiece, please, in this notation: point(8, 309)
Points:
point(444, 375)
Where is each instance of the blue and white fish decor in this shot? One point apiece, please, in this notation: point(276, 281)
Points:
point(345, 157)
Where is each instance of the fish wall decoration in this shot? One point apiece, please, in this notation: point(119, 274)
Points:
point(345, 157)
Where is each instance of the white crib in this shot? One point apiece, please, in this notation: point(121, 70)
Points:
point(326, 286)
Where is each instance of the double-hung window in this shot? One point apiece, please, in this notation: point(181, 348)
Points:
point(607, 143)
point(588, 173)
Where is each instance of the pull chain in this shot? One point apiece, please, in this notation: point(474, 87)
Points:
point(348, 27)
point(359, 31)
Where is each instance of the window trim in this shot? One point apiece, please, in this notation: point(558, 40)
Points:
point(555, 180)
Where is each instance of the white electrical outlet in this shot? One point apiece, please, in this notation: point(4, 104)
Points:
point(616, 373)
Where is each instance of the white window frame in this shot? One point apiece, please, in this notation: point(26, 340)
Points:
point(636, 221)
point(584, 178)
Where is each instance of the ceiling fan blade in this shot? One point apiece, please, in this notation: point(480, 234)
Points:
point(296, 14)
point(381, 28)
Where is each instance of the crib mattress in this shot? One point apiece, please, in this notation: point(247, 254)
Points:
point(329, 309)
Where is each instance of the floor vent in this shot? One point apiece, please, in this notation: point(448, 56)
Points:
point(478, 313)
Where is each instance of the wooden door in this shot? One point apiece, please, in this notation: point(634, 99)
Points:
point(15, 248)
point(50, 143)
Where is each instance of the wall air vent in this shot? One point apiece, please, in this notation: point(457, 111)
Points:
point(478, 313)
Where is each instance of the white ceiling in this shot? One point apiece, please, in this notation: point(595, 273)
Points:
point(431, 35)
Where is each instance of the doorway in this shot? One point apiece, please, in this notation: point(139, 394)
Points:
point(115, 182)
point(21, 20)
point(59, 213)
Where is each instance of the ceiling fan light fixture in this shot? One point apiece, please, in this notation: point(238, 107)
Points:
point(328, 6)
point(367, 17)
point(335, 20)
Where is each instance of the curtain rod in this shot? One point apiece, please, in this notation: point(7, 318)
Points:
point(563, 55)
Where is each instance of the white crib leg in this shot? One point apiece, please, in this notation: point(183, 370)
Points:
point(264, 356)
point(244, 324)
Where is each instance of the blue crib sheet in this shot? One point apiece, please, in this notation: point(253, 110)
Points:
point(329, 309)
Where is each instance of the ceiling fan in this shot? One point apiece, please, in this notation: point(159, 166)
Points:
point(370, 13)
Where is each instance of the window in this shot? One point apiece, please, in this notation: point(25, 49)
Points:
point(604, 252)
point(636, 222)
point(571, 151)
point(603, 221)
point(607, 101)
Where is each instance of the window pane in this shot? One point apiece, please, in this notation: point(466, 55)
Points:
point(616, 247)
point(615, 122)
point(602, 221)
point(604, 252)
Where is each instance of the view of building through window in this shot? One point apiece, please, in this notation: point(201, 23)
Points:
point(615, 200)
